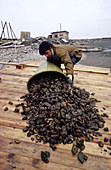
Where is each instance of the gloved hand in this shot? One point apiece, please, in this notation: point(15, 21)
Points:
point(69, 78)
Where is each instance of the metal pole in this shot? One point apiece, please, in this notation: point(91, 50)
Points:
point(3, 29)
point(60, 26)
point(12, 31)
point(7, 32)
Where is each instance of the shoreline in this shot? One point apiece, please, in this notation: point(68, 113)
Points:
point(97, 59)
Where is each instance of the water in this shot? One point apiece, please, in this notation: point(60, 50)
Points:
point(107, 50)
point(98, 59)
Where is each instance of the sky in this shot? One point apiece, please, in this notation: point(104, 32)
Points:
point(81, 18)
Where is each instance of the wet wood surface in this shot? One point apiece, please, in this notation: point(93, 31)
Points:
point(26, 154)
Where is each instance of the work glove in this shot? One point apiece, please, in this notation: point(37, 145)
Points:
point(70, 79)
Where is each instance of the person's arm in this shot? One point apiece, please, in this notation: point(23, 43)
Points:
point(66, 60)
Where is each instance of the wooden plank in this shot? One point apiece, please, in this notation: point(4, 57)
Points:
point(77, 67)
point(4, 121)
point(93, 82)
point(82, 81)
point(80, 68)
point(92, 75)
point(13, 85)
point(22, 87)
point(14, 89)
point(22, 162)
point(10, 115)
point(23, 63)
point(79, 77)
point(78, 80)
point(14, 77)
point(60, 156)
point(10, 95)
point(92, 69)
point(95, 78)
point(19, 64)
point(20, 73)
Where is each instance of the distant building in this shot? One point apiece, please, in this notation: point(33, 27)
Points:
point(24, 35)
point(60, 34)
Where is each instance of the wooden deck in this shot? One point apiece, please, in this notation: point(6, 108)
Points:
point(26, 154)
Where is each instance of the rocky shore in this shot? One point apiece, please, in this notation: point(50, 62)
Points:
point(29, 51)
point(18, 55)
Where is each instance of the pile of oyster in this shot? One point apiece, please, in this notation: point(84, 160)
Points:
point(56, 113)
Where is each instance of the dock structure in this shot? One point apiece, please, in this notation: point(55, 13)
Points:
point(17, 151)
point(88, 48)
